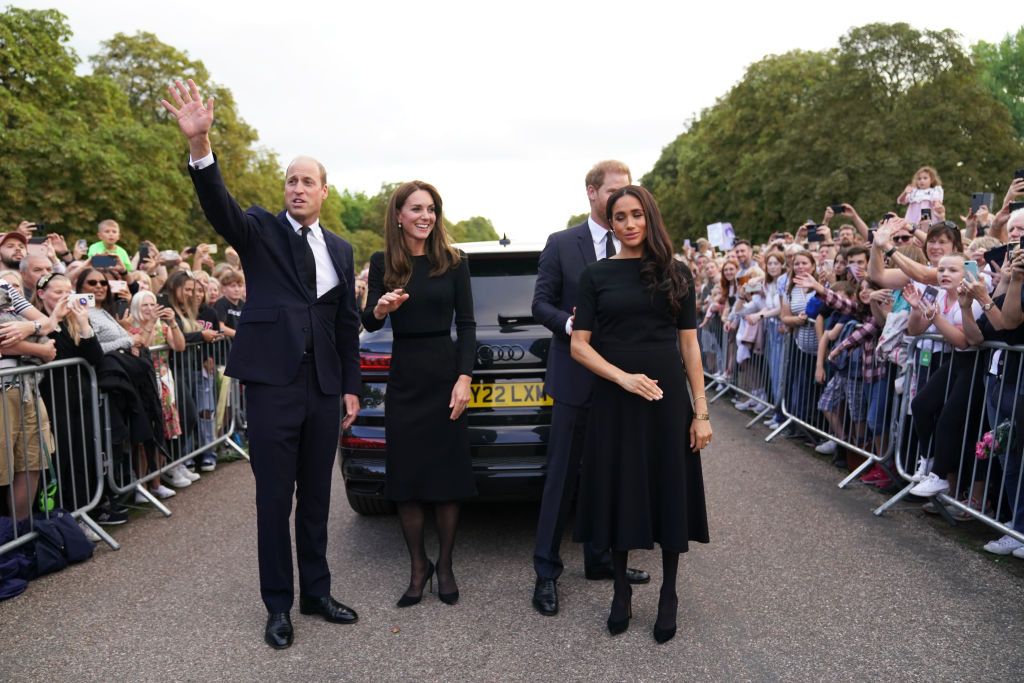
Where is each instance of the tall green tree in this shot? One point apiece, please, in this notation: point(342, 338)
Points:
point(1002, 72)
point(475, 229)
point(805, 129)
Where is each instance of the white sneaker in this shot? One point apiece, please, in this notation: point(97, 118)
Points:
point(827, 448)
point(924, 466)
point(745, 405)
point(772, 423)
point(1003, 546)
point(175, 478)
point(192, 476)
point(930, 486)
point(1019, 552)
point(92, 536)
point(163, 492)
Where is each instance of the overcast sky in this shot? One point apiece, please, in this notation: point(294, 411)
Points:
point(503, 106)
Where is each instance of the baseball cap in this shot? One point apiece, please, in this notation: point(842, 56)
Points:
point(13, 235)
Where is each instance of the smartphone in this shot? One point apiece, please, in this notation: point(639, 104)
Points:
point(86, 300)
point(81, 245)
point(117, 286)
point(169, 256)
point(926, 214)
point(979, 199)
point(686, 243)
point(813, 235)
point(211, 249)
point(105, 261)
point(1018, 174)
point(871, 235)
point(837, 208)
point(38, 240)
point(996, 256)
point(35, 248)
point(971, 270)
point(143, 252)
point(930, 294)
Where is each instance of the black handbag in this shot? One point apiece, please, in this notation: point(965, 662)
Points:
point(60, 542)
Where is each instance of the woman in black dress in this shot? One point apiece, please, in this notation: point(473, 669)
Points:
point(421, 282)
point(641, 482)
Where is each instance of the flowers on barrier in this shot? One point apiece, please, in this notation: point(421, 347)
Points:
point(991, 442)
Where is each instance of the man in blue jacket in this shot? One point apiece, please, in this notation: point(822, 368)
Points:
point(297, 351)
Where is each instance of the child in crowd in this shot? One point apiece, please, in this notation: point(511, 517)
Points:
point(923, 192)
point(229, 305)
point(109, 232)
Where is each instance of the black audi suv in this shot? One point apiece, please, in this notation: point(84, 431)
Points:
point(509, 415)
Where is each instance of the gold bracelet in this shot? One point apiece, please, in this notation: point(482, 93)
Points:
point(702, 396)
point(704, 417)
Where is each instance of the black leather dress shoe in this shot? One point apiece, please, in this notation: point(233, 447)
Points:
point(278, 633)
point(329, 608)
point(545, 597)
point(605, 573)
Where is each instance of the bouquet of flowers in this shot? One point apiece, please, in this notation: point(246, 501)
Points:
point(994, 441)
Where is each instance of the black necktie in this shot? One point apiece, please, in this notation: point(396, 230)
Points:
point(609, 245)
point(310, 262)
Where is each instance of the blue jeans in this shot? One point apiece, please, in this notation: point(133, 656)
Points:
point(999, 406)
point(800, 399)
point(774, 356)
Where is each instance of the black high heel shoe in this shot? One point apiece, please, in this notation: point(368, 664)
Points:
point(409, 600)
point(663, 635)
point(617, 626)
point(447, 598)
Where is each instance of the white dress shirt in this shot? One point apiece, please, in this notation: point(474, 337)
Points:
point(599, 234)
point(326, 277)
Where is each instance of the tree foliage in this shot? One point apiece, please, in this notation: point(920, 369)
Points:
point(81, 148)
point(1002, 72)
point(851, 124)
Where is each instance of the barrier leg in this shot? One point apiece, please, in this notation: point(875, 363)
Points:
point(239, 449)
point(760, 416)
point(881, 509)
point(857, 472)
point(100, 531)
point(778, 430)
point(139, 488)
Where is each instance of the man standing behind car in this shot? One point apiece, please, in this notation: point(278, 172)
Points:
point(297, 351)
point(565, 256)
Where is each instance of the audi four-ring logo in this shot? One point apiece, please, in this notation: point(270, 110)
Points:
point(488, 353)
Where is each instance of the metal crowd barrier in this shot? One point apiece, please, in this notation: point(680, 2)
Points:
point(746, 361)
point(835, 404)
point(985, 412)
point(51, 436)
point(77, 458)
point(206, 415)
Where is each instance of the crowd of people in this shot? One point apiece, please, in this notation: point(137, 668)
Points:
point(150, 324)
point(817, 321)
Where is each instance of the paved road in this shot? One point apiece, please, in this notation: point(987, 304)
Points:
point(800, 582)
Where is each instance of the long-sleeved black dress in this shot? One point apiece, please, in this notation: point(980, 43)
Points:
point(427, 452)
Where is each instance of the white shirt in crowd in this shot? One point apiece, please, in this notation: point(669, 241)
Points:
point(326, 277)
point(599, 234)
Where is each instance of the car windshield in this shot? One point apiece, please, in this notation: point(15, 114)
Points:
point(502, 286)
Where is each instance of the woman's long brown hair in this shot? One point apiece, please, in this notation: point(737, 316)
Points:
point(397, 257)
point(658, 269)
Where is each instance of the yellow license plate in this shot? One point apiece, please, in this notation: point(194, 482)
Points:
point(508, 395)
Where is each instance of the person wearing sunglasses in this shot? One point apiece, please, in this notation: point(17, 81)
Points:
point(942, 239)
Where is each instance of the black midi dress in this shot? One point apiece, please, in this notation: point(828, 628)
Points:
point(640, 483)
point(427, 456)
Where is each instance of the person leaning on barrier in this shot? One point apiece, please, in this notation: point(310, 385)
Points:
point(154, 325)
point(67, 394)
point(1004, 384)
point(25, 435)
point(948, 406)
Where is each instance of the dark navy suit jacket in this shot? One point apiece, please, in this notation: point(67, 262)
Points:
point(271, 335)
point(563, 260)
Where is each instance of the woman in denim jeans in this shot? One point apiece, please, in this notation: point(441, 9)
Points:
point(805, 347)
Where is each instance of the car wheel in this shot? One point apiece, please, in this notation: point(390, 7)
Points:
point(364, 505)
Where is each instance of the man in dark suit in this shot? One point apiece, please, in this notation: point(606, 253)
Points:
point(297, 351)
point(565, 255)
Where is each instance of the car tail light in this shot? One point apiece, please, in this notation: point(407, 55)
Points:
point(349, 441)
point(374, 362)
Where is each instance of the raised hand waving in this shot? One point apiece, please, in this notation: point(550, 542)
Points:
point(194, 118)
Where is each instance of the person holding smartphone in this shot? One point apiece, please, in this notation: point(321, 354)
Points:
point(109, 232)
point(948, 407)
